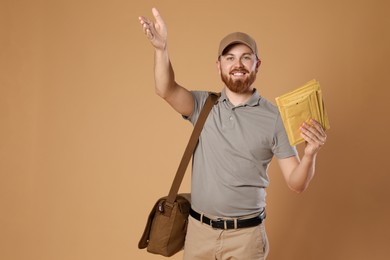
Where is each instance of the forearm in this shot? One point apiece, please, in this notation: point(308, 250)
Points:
point(165, 85)
point(302, 174)
point(163, 73)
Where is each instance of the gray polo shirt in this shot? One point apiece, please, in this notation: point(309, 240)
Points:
point(229, 171)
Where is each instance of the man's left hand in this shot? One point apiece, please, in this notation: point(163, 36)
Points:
point(314, 135)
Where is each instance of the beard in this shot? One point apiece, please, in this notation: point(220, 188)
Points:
point(239, 86)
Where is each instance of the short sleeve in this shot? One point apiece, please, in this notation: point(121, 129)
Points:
point(282, 148)
point(199, 101)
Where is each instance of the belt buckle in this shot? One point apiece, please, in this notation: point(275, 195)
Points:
point(216, 221)
point(225, 223)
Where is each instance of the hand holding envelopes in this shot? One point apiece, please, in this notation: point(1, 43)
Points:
point(299, 106)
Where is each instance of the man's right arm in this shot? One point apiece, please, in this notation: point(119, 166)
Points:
point(165, 85)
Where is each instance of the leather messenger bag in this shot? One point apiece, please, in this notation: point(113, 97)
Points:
point(166, 226)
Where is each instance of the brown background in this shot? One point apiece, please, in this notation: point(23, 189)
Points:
point(86, 146)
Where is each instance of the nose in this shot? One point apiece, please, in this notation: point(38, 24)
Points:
point(238, 63)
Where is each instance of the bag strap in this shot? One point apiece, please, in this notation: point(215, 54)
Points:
point(210, 101)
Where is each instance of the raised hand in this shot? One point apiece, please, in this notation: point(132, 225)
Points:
point(156, 31)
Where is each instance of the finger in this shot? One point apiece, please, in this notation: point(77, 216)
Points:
point(157, 15)
point(307, 138)
point(145, 23)
point(312, 133)
point(310, 139)
point(148, 32)
point(147, 26)
point(143, 20)
point(315, 128)
point(318, 126)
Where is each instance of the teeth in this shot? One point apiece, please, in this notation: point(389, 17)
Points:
point(238, 74)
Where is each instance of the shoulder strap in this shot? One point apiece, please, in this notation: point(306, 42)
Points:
point(211, 100)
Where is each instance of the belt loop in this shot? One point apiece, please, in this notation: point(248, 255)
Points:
point(235, 223)
point(201, 217)
point(225, 224)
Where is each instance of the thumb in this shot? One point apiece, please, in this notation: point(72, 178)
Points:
point(157, 15)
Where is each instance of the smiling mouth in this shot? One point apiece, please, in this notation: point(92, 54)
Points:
point(238, 73)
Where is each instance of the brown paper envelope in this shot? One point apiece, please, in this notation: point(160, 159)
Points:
point(301, 105)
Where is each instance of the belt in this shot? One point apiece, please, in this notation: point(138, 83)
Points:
point(229, 223)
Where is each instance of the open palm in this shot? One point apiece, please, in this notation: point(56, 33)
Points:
point(156, 31)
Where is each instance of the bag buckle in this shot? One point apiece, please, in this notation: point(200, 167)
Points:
point(160, 207)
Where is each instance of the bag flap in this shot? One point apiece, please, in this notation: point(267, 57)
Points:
point(144, 241)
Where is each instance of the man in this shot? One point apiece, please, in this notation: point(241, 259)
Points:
point(241, 135)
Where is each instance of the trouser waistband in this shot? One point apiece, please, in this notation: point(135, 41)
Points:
point(229, 223)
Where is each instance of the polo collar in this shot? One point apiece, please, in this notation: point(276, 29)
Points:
point(253, 101)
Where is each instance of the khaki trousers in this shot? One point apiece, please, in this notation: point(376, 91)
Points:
point(206, 243)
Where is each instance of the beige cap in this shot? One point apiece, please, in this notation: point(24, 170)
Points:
point(237, 37)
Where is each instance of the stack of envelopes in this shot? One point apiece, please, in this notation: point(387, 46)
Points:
point(299, 106)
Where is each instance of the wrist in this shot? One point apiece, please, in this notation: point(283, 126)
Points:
point(310, 157)
point(162, 48)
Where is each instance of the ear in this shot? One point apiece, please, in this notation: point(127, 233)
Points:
point(258, 65)
point(218, 63)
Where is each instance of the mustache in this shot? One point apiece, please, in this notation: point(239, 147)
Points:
point(242, 70)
